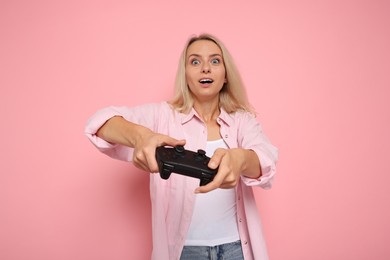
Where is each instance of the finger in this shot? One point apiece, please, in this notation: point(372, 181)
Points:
point(145, 160)
point(152, 162)
point(172, 141)
point(207, 188)
point(139, 160)
point(216, 159)
point(214, 184)
point(141, 166)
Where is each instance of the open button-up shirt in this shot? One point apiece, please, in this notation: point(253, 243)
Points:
point(173, 199)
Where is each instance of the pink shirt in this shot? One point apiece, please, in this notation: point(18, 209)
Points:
point(173, 199)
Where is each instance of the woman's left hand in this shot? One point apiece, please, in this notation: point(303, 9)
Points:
point(232, 163)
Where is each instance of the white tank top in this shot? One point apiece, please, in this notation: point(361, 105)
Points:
point(214, 220)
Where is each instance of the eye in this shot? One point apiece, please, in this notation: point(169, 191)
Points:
point(215, 61)
point(195, 62)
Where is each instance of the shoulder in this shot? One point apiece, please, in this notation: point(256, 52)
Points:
point(241, 117)
point(243, 114)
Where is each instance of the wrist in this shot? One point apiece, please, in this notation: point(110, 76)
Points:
point(249, 163)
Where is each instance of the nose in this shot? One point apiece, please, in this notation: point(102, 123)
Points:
point(206, 67)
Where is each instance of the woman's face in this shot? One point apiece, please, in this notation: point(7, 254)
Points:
point(205, 70)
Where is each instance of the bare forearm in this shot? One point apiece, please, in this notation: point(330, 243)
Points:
point(118, 130)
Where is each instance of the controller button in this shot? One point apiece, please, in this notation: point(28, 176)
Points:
point(200, 155)
point(168, 167)
point(179, 149)
point(201, 152)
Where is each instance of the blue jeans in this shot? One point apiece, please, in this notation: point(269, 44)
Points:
point(229, 251)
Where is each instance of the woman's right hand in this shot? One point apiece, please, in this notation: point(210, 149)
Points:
point(118, 130)
point(145, 144)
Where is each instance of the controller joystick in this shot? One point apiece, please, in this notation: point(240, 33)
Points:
point(185, 162)
point(179, 149)
point(200, 155)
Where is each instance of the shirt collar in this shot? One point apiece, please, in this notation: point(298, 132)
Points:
point(223, 116)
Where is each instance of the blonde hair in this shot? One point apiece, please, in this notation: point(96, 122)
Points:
point(232, 96)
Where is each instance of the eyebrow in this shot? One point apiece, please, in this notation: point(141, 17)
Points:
point(212, 55)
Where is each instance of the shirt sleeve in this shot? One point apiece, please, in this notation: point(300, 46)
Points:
point(252, 137)
point(144, 115)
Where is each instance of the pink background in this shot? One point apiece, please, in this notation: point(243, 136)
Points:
point(317, 73)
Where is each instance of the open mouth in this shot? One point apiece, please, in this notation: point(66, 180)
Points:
point(206, 81)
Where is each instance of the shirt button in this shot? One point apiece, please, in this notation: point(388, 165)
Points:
point(240, 220)
point(246, 242)
point(226, 136)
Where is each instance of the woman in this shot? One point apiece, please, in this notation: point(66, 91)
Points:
point(209, 111)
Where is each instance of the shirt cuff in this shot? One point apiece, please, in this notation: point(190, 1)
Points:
point(268, 170)
point(95, 123)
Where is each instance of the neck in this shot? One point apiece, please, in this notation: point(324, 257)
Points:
point(207, 111)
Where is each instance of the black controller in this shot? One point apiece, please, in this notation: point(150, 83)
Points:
point(179, 160)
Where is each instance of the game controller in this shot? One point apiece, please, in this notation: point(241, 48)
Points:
point(179, 160)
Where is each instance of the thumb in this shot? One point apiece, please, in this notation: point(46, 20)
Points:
point(173, 142)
